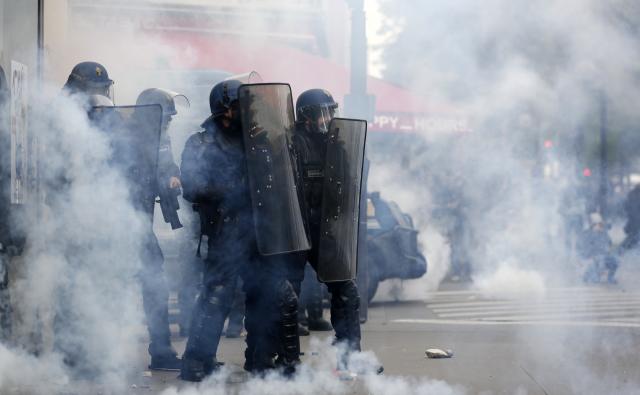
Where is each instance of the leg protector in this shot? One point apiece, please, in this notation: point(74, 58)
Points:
point(212, 308)
point(289, 339)
point(345, 313)
point(155, 301)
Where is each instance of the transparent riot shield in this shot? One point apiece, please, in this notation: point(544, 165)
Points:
point(338, 245)
point(267, 123)
point(252, 77)
point(134, 136)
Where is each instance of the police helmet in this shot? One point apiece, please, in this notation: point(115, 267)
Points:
point(222, 96)
point(317, 107)
point(165, 98)
point(89, 78)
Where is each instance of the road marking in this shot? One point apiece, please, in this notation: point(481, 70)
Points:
point(536, 309)
point(583, 306)
point(565, 316)
point(548, 300)
point(522, 304)
point(611, 324)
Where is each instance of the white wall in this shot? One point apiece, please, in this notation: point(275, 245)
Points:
point(19, 34)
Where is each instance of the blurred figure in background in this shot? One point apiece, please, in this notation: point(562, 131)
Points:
point(632, 226)
point(450, 215)
point(573, 208)
point(596, 247)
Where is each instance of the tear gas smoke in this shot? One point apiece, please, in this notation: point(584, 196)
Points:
point(317, 376)
point(519, 71)
point(519, 80)
point(78, 283)
point(522, 73)
point(509, 281)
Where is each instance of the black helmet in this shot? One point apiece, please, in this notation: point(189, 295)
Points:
point(318, 107)
point(89, 78)
point(165, 98)
point(222, 96)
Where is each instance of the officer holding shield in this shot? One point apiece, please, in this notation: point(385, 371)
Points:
point(166, 185)
point(329, 162)
point(214, 177)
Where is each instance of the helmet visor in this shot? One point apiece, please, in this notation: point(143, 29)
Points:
point(101, 90)
point(320, 116)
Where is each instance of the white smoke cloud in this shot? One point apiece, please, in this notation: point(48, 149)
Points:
point(317, 375)
point(78, 282)
point(516, 78)
point(509, 281)
point(521, 74)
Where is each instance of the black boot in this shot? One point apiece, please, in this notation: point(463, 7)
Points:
point(195, 370)
point(319, 324)
point(302, 331)
point(316, 321)
point(167, 362)
point(163, 356)
point(314, 307)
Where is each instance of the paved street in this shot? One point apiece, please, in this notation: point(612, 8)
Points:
point(572, 340)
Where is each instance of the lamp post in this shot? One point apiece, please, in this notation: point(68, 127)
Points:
point(358, 104)
point(604, 167)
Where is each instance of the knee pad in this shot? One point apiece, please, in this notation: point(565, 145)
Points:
point(345, 293)
point(286, 295)
point(217, 296)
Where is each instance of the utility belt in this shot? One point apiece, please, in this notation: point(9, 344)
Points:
point(213, 217)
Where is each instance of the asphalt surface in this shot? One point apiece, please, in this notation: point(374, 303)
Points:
point(578, 340)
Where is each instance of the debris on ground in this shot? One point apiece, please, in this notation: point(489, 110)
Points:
point(436, 353)
point(345, 375)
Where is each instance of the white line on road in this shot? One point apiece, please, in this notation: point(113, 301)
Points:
point(503, 302)
point(565, 315)
point(540, 309)
point(609, 324)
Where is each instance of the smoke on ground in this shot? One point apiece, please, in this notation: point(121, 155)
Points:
point(317, 375)
point(77, 294)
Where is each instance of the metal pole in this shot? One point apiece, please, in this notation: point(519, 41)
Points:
point(40, 59)
point(358, 104)
point(604, 168)
point(358, 49)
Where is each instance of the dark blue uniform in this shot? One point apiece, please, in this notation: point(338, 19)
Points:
point(310, 150)
point(144, 184)
point(214, 176)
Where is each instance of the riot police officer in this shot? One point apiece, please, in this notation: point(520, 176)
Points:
point(215, 176)
point(89, 78)
point(155, 292)
point(315, 109)
point(90, 85)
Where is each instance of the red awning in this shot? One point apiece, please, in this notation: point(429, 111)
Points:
point(397, 109)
